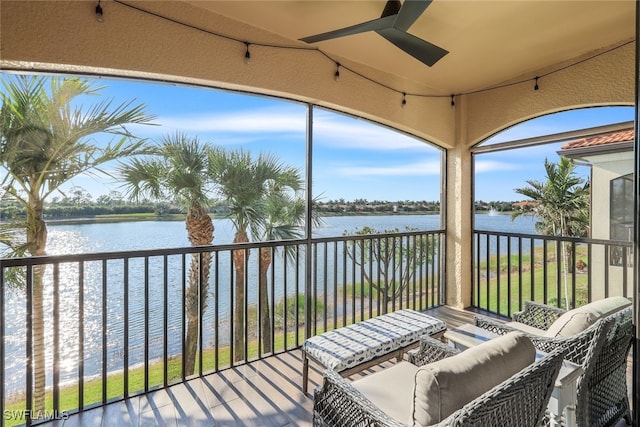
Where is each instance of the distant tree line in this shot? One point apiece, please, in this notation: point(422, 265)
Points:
point(341, 206)
point(78, 203)
point(357, 206)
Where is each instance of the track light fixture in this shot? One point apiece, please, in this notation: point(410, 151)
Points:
point(247, 54)
point(336, 75)
point(99, 13)
point(404, 99)
point(536, 87)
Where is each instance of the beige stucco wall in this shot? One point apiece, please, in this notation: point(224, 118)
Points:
point(63, 36)
point(135, 44)
point(605, 168)
point(607, 79)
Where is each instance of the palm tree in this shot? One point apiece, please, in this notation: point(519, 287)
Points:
point(562, 205)
point(179, 169)
point(285, 214)
point(562, 201)
point(250, 187)
point(44, 143)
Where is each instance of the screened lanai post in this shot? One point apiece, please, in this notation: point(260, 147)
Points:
point(308, 229)
point(636, 233)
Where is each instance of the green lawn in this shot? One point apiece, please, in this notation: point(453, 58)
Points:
point(497, 290)
point(211, 360)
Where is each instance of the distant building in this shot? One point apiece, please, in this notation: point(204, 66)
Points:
point(610, 157)
point(525, 205)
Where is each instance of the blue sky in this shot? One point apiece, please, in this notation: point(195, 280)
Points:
point(353, 158)
point(499, 173)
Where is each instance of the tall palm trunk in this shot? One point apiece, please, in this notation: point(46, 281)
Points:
point(240, 257)
point(200, 232)
point(265, 312)
point(37, 242)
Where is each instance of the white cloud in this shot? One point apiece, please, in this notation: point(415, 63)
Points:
point(331, 129)
point(494, 166)
point(429, 167)
point(341, 132)
point(265, 120)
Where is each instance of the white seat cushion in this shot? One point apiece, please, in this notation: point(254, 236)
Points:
point(391, 390)
point(577, 320)
point(526, 328)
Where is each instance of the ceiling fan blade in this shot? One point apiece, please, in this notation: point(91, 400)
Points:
point(376, 24)
point(410, 12)
point(422, 50)
point(392, 7)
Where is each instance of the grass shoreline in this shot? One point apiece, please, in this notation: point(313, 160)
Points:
point(213, 360)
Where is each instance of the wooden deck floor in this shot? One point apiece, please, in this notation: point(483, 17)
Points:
point(263, 393)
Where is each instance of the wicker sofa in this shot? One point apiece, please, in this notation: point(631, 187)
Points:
point(497, 383)
point(597, 336)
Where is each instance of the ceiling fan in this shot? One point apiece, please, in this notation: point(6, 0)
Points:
point(393, 24)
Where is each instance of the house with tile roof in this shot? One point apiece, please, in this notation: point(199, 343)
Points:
point(610, 157)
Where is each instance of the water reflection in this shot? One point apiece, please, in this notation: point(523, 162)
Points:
point(124, 287)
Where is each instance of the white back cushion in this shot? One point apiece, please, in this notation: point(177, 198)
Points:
point(577, 320)
point(445, 386)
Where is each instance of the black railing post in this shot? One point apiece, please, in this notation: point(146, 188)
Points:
point(146, 324)
point(56, 337)
point(272, 311)
point(325, 290)
point(314, 288)
point(335, 286)
point(2, 348)
point(104, 331)
point(165, 320)
point(29, 332)
point(216, 302)
point(498, 293)
point(545, 282)
point(125, 310)
point(80, 335)
point(183, 317)
point(245, 284)
point(131, 308)
point(199, 298)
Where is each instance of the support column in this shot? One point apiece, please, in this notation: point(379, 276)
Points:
point(459, 214)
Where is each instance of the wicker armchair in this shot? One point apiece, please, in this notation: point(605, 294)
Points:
point(601, 349)
point(519, 401)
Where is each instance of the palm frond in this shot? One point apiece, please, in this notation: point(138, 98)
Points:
point(176, 166)
point(46, 138)
point(562, 201)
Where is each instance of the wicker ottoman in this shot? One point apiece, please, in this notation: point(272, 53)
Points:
point(363, 344)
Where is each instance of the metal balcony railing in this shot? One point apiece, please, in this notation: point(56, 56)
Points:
point(90, 329)
point(510, 268)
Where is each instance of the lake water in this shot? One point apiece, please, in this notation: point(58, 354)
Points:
point(109, 237)
point(83, 238)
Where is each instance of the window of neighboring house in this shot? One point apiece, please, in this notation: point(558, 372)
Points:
point(621, 217)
